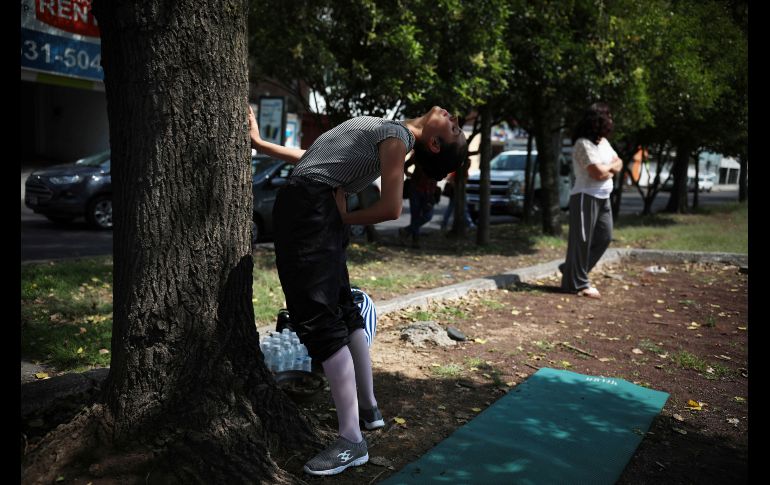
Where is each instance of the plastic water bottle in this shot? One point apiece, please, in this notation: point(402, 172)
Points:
point(277, 356)
point(263, 346)
point(288, 348)
point(267, 352)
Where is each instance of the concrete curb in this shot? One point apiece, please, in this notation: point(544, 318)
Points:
point(545, 270)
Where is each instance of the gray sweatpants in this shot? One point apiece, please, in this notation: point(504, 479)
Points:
point(590, 233)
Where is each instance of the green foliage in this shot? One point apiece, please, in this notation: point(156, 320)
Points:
point(368, 57)
point(697, 70)
point(363, 57)
point(467, 53)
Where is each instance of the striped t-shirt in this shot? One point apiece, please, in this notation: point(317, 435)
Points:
point(348, 156)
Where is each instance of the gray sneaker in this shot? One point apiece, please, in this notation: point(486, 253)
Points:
point(372, 418)
point(340, 455)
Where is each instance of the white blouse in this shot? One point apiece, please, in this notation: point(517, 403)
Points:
point(584, 153)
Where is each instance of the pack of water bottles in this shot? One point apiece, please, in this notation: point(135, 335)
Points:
point(283, 351)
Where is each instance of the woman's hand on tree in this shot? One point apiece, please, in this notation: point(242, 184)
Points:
point(256, 138)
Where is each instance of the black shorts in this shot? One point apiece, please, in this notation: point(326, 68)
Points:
point(310, 242)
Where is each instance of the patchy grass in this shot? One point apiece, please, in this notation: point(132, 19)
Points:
point(687, 360)
point(436, 313)
point(491, 304)
point(720, 229)
point(267, 296)
point(544, 346)
point(650, 347)
point(66, 313)
point(450, 370)
point(475, 362)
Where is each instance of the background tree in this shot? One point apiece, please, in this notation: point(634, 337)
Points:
point(363, 58)
point(465, 49)
point(565, 55)
point(374, 58)
point(691, 95)
point(728, 132)
point(187, 399)
point(690, 77)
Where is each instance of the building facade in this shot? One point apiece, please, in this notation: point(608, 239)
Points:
point(63, 104)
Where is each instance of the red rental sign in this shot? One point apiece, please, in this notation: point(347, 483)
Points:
point(70, 15)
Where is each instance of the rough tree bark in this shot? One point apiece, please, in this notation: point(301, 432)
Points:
point(485, 150)
point(743, 179)
point(697, 173)
point(459, 225)
point(677, 202)
point(616, 197)
point(187, 397)
point(548, 139)
point(529, 182)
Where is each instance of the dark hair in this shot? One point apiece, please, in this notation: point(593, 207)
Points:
point(595, 124)
point(449, 158)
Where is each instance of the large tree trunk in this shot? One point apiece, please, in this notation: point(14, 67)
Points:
point(459, 225)
point(655, 184)
point(677, 202)
point(186, 377)
point(743, 179)
point(482, 234)
point(529, 182)
point(548, 139)
point(616, 197)
point(695, 193)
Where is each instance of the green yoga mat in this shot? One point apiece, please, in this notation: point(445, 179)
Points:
point(556, 427)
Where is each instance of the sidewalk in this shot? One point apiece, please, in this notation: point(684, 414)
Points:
point(725, 188)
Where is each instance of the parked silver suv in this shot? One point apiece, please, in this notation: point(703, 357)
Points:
point(81, 189)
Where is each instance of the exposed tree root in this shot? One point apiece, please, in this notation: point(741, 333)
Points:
point(64, 445)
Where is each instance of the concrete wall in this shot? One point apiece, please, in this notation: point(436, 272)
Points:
point(62, 123)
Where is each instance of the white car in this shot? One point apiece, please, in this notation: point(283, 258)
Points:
point(706, 182)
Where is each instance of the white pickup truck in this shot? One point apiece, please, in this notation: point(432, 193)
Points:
point(506, 192)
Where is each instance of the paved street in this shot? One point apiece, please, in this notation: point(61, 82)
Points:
point(43, 240)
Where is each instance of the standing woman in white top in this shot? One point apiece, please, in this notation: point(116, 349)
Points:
point(594, 163)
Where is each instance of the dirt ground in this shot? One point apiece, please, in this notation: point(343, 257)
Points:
point(682, 331)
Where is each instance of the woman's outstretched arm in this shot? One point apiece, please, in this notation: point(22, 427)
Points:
point(287, 154)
